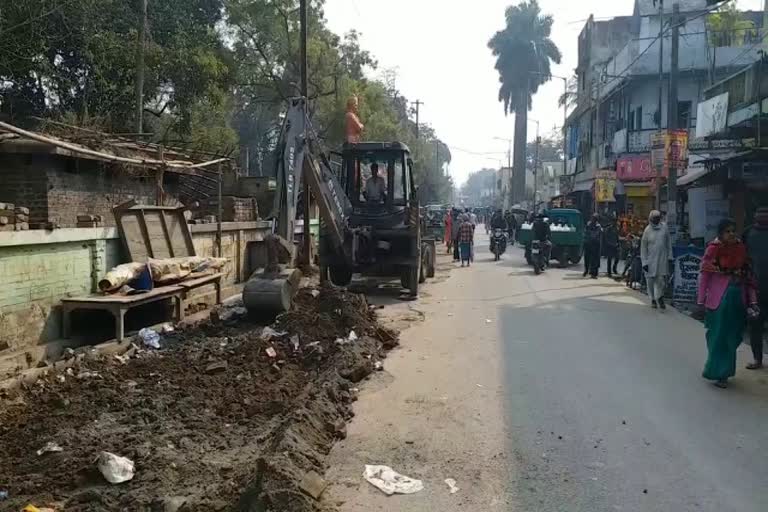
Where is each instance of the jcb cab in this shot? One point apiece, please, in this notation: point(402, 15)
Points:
point(383, 238)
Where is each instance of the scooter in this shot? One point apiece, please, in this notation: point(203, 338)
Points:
point(539, 256)
point(498, 243)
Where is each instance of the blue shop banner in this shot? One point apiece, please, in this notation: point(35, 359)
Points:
point(685, 279)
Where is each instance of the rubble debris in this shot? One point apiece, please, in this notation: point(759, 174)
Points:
point(243, 438)
point(115, 469)
point(388, 481)
point(49, 447)
point(216, 367)
point(378, 366)
point(313, 485)
point(451, 485)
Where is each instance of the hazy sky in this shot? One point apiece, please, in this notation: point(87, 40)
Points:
point(439, 50)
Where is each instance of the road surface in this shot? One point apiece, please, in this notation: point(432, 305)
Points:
point(554, 393)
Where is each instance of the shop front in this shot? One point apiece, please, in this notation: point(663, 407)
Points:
point(635, 173)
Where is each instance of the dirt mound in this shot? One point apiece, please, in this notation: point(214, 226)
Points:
point(222, 418)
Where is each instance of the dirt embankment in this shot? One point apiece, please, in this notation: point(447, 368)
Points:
point(214, 421)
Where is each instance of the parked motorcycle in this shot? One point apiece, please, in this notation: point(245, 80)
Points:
point(539, 256)
point(498, 243)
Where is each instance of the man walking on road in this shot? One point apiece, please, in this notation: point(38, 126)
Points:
point(655, 254)
point(592, 235)
point(611, 246)
point(756, 239)
point(466, 239)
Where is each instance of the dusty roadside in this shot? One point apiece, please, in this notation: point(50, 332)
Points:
point(223, 417)
point(436, 411)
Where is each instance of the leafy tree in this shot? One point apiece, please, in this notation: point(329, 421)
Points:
point(478, 185)
point(524, 52)
point(78, 56)
point(571, 95)
point(728, 27)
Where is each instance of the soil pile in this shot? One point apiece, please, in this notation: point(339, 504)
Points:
point(222, 418)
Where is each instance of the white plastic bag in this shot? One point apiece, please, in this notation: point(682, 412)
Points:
point(114, 468)
point(390, 482)
point(149, 338)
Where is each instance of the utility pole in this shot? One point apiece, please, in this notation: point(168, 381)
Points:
point(141, 45)
point(661, 92)
point(307, 236)
point(672, 120)
point(418, 104)
point(536, 171)
point(565, 122)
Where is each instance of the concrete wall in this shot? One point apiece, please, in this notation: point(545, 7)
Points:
point(38, 268)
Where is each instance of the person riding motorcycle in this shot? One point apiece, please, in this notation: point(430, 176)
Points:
point(542, 233)
point(497, 222)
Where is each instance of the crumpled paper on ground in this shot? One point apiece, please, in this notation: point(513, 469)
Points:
point(114, 468)
point(390, 481)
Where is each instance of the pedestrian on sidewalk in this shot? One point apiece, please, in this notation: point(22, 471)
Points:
point(655, 254)
point(611, 245)
point(727, 291)
point(455, 224)
point(593, 233)
point(466, 239)
point(756, 240)
point(448, 221)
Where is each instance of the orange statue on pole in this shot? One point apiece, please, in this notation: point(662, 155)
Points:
point(354, 128)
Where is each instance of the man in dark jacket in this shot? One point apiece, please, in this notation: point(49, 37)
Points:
point(756, 239)
point(611, 246)
point(498, 221)
point(593, 233)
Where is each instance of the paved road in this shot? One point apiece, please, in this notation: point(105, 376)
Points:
point(555, 393)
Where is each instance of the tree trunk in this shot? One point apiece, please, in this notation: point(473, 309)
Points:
point(521, 134)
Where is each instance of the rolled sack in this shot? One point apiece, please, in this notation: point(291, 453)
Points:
point(120, 275)
point(171, 270)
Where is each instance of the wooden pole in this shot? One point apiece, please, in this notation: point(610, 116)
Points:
point(307, 233)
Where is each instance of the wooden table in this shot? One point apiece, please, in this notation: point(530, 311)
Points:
point(119, 305)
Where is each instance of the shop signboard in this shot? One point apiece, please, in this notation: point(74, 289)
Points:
point(605, 185)
point(712, 116)
point(669, 148)
point(634, 168)
point(686, 277)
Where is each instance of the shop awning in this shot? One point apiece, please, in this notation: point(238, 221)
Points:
point(583, 186)
point(693, 175)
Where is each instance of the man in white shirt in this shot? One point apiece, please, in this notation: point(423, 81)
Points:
point(375, 188)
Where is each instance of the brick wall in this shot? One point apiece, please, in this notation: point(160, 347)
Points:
point(57, 189)
point(24, 182)
point(86, 187)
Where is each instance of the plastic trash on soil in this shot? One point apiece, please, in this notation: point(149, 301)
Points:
point(349, 339)
point(268, 333)
point(451, 483)
point(390, 481)
point(49, 447)
point(114, 468)
point(149, 338)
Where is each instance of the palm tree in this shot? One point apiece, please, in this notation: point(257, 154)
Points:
point(571, 96)
point(523, 51)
